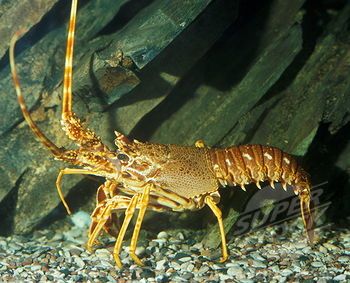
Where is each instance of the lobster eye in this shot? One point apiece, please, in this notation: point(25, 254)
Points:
point(122, 157)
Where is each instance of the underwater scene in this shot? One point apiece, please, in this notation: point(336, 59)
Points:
point(175, 141)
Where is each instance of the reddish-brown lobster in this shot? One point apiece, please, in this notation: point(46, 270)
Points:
point(141, 176)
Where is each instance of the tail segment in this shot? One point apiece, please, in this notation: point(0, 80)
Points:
point(42, 138)
point(244, 164)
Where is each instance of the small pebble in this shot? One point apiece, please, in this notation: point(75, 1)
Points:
point(140, 251)
point(180, 236)
point(203, 269)
point(81, 219)
point(147, 273)
point(317, 264)
point(162, 235)
point(330, 247)
point(160, 264)
point(185, 259)
point(187, 275)
point(190, 267)
point(340, 277)
point(174, 257)
point(258, 264)
point(79, 262)
point(286, 272)
point(35, 267)
point(232, 271)
point(162, 278)
point(343, 259)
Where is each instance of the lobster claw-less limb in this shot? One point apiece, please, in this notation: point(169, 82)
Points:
point(102, 216)
point(108, 203)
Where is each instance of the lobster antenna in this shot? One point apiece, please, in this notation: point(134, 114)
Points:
point(40, 135)
point(68, 67)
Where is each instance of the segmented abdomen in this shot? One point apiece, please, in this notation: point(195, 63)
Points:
point(245, 164)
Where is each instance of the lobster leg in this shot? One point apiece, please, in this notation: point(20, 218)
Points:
point(68, 171)
point(210, 202)
point(101, 216)
point(199, 143)
point(129, 212)
point(95, 229)
point(105, 192)
point(143, 206)
point(307, 215)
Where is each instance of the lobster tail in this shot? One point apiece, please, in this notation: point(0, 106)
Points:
point(244, 164)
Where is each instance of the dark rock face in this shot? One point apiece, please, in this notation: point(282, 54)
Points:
point(271, 73)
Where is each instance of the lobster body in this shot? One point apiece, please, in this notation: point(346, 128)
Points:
point(184, 175)
point(146, 176)
point(191, 172)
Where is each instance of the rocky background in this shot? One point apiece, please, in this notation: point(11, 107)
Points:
point(228, 72)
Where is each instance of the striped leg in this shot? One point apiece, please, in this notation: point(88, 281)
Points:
point(144, 199)
point(102, 214)
point(210, 202)
point(129, 212)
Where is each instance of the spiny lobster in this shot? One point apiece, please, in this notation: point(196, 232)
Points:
point(155, 176)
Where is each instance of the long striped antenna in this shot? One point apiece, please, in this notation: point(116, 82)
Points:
point(71, 123)
point(68, 68)
point(40, 135)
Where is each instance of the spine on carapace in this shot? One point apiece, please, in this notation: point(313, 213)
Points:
point(245, 164)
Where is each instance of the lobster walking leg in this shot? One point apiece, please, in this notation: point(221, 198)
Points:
point(143, 206)
point(210, 202)
point(95, 228)
point(101, 216)
point(129, 212)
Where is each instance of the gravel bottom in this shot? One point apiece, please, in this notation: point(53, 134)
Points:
point(176, 257)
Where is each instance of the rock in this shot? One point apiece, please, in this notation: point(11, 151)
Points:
point(79, 262)
point(317, 264)
point(258, 264)
point(286, 272)
point(185, 259)
point(331, 247)
point(147, 273)
point(340, 277)
point(81, 219)
point(160, 264)
point(162, 235)
point(233, 271)
point(344, 259)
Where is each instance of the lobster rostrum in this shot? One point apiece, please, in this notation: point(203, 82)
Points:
point(146, 176)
